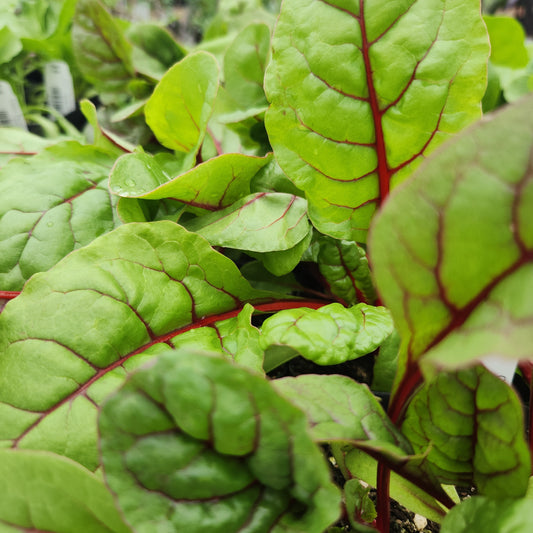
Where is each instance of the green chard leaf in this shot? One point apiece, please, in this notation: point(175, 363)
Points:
point(244, 66)
point(102, 53)
point(182, 102)
point(361, 92)
point(46, 492)
point(51, 204)
point(471, 422)
point(213, 184)
point(193, 443)
point(103, 311)
point(262, 222)
point(479, 514)
point(329, 335)
point(344, 266)
point(452, 249)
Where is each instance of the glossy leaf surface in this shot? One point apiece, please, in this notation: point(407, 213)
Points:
point(212, 185)
point(452, 250)
point(471, 423)
point(51, 204)
point(46, 492)
point(193, 443)
point(261, 222)
point(329, 335)
point(103, 311)
point(361, 92)
point(180, 106)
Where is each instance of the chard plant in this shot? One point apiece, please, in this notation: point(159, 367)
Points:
point(325, 189)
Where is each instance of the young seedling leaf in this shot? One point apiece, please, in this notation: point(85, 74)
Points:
point(452, 250)
point(472, 424)
point(102, 311)
point(213, 184)
point(47, 492)
point(361, 92)
point(51, 204)
point(329, 335)
point(181, 104)
point(262, 222)
point(193, 443)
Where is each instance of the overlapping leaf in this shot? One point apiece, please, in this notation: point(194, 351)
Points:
point(472, 424)
point(361, 92)
point(196, 444)
point(51, 204)
point(452, 250)
point(101, 312)
point(46, 492)
point(329, 335)
point(180, 106)
point(261, 222)
point(344, 265)
point(212, 185)
point(102, 53)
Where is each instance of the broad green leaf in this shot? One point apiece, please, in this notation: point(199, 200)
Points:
point(260, 278)
point(51, 204)
point(101, 50)
point(262, 222)
point(15, 141)
point(46, 492)
point(212, 185)
point(154, 49)
point(340, 409)
point(181, 104)
point(507, 38)
point(479, 514)
point(472, 424)
point(193, 443)
point(75, 331)
point(244, 66)
point(234, 338)
point(361, 92)
point(329, 335)
point(344, 266)
point(386, 363)
point(452, 249)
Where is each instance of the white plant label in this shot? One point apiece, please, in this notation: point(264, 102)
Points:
point(59, 87)
point(10, 111)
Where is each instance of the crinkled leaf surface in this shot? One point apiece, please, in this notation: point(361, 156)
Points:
point(181, 104)
point(212, 185)
point(344, 266)
point(480, 514)
point(261, 222)
point(102, 53)
point(102, 311)
point(361, 92)
point(329, 335)
point(46, 492)
point(193, 443)
point(340, 409)
point(244, 66)
point(51, 204)
point(452, 251)
point(472, 423)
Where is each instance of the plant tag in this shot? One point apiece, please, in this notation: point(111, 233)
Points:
point(59, 87)
point(10, 111)
point(503, 368)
